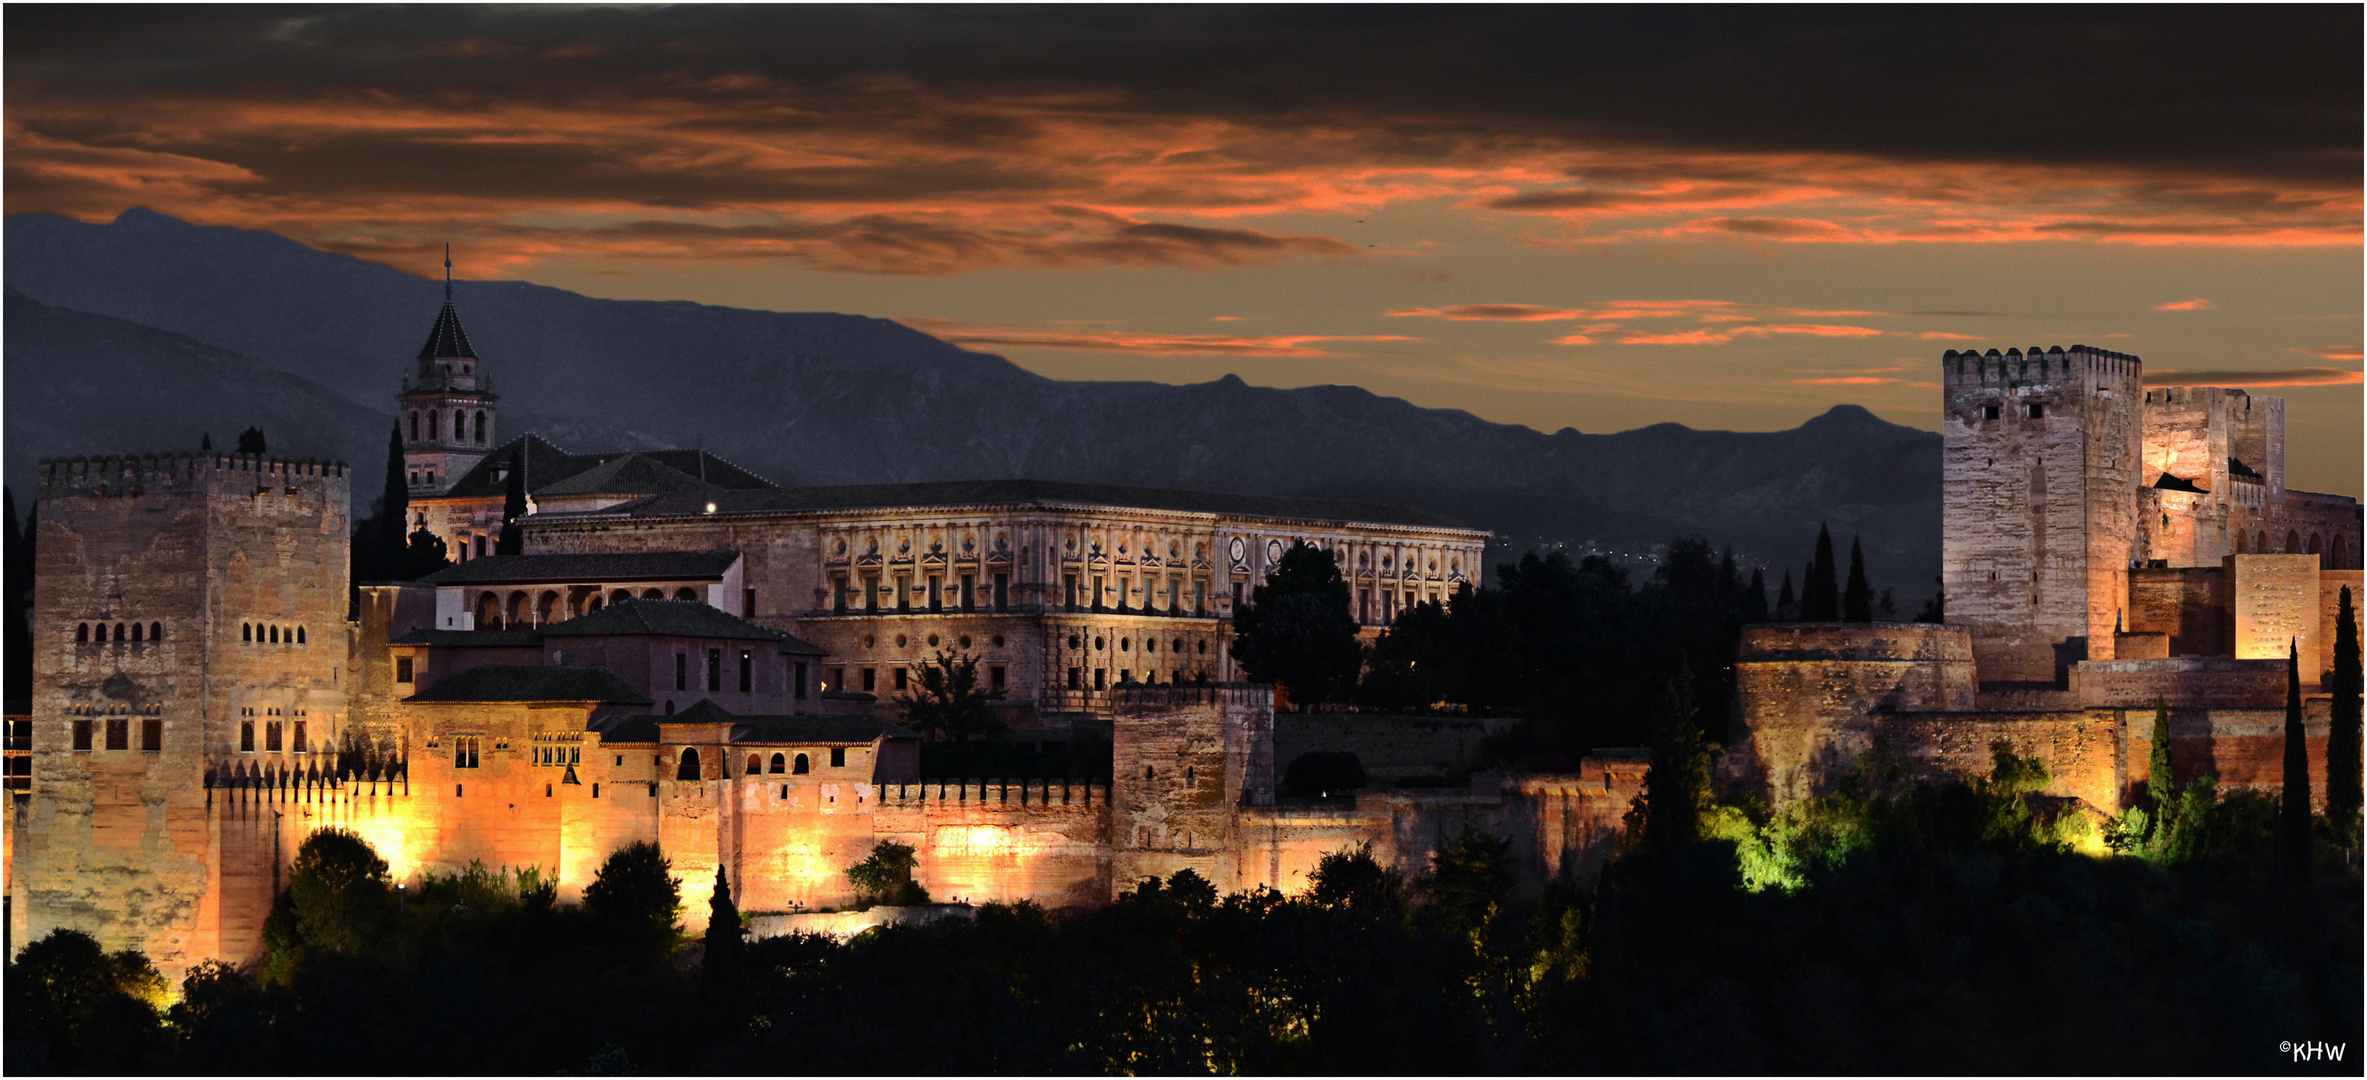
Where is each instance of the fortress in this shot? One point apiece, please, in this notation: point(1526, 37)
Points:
point(689, 655)
point(2105, 547)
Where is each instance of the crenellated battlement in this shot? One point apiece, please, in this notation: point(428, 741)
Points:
point(994, 794)
point(2037, 364)
point(195, 471)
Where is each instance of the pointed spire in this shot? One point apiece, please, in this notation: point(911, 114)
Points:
point(447, 273)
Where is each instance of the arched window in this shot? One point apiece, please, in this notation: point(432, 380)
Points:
point(414, 427)
point(685, 594)
point(545, 605)
point(690, 765)
point(517, 611)
point(801, 766)
point(620, 596)
point(480, 426)
point(300, 635)
point(274, 632)
point(81, 633)
point(431, 424)
point(488, 610)
point(156, 631)
point(118, 633)
point(653, 594)
point(2241, 542)
point(2260, 543)
point(754, 765)
point(594, 605)
point(246, 632)
point(139, 633)
point(2292, 542)
point(1150, 771)
point(780, 763)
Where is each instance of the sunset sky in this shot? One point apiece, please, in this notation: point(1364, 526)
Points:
point(1591, 217)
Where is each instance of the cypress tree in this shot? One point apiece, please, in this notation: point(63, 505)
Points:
point(2343, 795)
point(1858, 602)
point(720, 982)
point(1754, 597)
point(205, 441)
point(1820, 595)
point(17, 603)
point(2158, 784)
point(1676, 789)
point(379, 541)
point(1784, 599)
point(251, 441)
point(1729, 582)
point(513, 509)
point(2293, 815)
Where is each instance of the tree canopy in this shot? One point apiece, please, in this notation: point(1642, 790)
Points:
point(1298, 631)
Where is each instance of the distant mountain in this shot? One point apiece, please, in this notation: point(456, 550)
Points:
point(828, 399)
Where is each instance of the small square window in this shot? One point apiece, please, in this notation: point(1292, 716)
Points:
point(1988, 412)
point(902, 677)
point(246, 736)
point(118, 734)
point(271, 740)
point(151, 734)
point(2037, 411)
point(403, 673)
point(838, 757)
point(82, 735)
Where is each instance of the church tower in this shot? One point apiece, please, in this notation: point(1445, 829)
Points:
point(446, 407)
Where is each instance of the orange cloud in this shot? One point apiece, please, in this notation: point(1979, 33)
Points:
point(1494, 313)
point(1142, 344)
point(2196, 304)
point(2280, 377)
point(1849, 380)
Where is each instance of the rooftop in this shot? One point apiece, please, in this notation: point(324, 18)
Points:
point(447, 341)
point(550, 470)
point(1030, 493)
point(587, 568)
point(519, 682)
point(792, 730)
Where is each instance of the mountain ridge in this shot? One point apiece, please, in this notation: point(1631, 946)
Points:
point(830, 398)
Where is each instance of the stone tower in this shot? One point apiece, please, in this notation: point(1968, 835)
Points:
point(2041, 468)
point(446, 407)
point(189, 623)
point(1184, 759)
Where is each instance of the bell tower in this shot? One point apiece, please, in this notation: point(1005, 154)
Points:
point(446, 406)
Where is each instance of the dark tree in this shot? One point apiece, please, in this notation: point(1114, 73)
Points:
point(1820, 596)
point(1297, 630)
point(722, 971)
point(948, 702)
point(16, 566)
point(2161, 795)
point(1935, 610)
point(381, 546)
point(1468, 882)
point(635, 900)
point(250, 441)
point(885, 875)
point(513, 509)
point(205, 441)
point(1353, 880)
point(339, 892)
point(2293, 814)
point(1729, 582)
point(1784, 599)
point(2342, 736)
point(1857, 600)
point(1676, 789)
point(1754, 597)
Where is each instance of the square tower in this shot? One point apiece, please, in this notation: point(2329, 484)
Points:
point(2040, 472)
point(188, 621)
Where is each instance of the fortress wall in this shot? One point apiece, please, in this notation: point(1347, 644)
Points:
point(2275, 602)
point(2082, 750)
point(996, 840)
point(2187, 604)
point(2184, 682)
point(1809, 691)
point(1391, 747)
point(2330, 586)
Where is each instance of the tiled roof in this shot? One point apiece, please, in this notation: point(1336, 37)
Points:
point(550, 469)
point(481, 639)
point(631, 474)
point(625, 729)
point(519, 682)
point(1030, 493)
point(674, 618)
point(447, 340)
point(786, 730)
point(587, 568)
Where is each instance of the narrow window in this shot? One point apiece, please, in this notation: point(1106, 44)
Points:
point(299, 635)
point(480, 545)
point(998, 677)
point(1069, 583)
point(754, 766)
point(838, 757)
point(432, 423)
point(901, 674)
point(246, 737)
point(151, 734)
point(838, 678)
point(870, 679)
point(139, 632)
point(1364, 605)
point(118, 734)
point(82, 633)
point(747, 671)
point(1076, 678)
point(689, 769)
point(780, 763)
point(480, 425)
point(82, 735)
point(797, 681)
point(681, 671)
point(414, 427)
point(119, 633)
point(1101, 678)
point(969, 592)
point(714, 669)
point(903, 592)
point(274, 635)
point(403, 670)
point(747, 603)
point(301, 746)
point(838, 594)
point(464, 752)
point(1149, 771)
point(271, 737)
point(936, 592)
point(1097, 591)
point(1002, 592)
point(801, 766)
point(156, 631)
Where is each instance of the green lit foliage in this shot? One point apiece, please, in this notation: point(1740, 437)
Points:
point(948, 701)
point(339, 899)
point(885, 876)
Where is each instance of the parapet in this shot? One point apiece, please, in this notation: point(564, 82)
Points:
point(1882, 641)
point(2038, 364)
point(1136, 700)
point(196, 471)
point(994, 794)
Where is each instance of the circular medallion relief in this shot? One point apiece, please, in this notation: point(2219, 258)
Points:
point(1274, 550)
point(1240, 549)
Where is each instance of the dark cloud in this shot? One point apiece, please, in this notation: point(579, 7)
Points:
point(2240, 91)
point(2308, 376)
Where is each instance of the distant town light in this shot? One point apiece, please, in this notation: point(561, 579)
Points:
point(710, 508)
